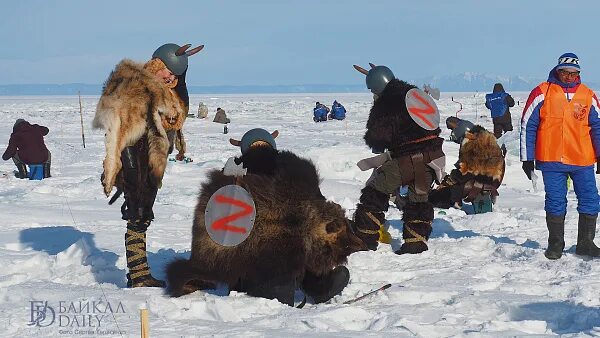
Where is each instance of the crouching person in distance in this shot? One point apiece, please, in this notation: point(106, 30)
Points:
point(294, 236)
point(560, 130)
point(26, 146)
point(479, 170)
point(405, 121)
point(141, 105)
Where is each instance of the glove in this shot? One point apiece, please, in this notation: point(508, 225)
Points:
point(598, 165)
point(528, 167)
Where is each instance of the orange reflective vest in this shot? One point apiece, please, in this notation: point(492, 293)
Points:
point(564, 131)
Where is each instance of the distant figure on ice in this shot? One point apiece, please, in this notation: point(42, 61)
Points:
point(221, 117)
point(338, 111)
point(498, 103)
point(479, 170)
point(560, 130)
point(202, 111)
point(320, 112)
point(142, 110)
point(26, 147)
point(414, 158)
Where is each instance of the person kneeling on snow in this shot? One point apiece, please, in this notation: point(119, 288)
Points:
point(320, 112)
point(560, 130)
point(338, 111)
point(26, 147)
point(479, 170)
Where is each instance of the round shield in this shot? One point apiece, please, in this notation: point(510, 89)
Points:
point(422, 109)
point(229, 215)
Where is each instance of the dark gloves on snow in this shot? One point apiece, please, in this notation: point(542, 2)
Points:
point(528, 167)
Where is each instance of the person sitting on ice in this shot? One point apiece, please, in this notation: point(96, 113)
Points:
point(338, 111)
point(478, 172)
point(320, 112)
point(26, 147)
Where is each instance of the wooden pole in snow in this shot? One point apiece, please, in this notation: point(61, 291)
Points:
point(145, 328)
point(81, 116)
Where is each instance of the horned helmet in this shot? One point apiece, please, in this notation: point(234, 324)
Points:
point(377, 77)
point(254, 138)
point(175, 57)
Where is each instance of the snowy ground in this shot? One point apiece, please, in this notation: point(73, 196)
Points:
point(484, 275)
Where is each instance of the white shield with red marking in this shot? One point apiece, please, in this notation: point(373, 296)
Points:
point(229, 215)
point(422, 109)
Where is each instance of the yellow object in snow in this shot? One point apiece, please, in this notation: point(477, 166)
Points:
point(384, 235)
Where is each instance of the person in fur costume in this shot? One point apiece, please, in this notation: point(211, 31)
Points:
point(404, 121)
point(141, 104)
point(298, 239)
point(479, 170)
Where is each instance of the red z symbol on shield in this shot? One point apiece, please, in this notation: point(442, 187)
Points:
point(421, 112)
point(222, 223)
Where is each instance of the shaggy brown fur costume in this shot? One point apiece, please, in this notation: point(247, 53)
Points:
point(134, 103)
point(481, 155)
point(296, 231)
point(390, 127)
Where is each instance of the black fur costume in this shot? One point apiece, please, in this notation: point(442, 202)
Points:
point(390, 127)
point(298, 238)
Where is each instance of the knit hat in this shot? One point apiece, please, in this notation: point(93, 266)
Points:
point(568, 60)
point(255, 135)
point(19, 121)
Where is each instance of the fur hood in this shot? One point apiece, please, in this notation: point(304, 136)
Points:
point(134, 103)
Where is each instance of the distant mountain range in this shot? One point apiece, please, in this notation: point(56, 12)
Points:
point(464, 82)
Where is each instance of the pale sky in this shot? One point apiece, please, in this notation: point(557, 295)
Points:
point(279, 42)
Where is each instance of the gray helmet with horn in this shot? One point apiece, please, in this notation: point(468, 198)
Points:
point(377, 77)
point(175, 57)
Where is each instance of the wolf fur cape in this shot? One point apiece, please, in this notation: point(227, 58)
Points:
point(296, 230)
point(135, 103)
point(480, 155)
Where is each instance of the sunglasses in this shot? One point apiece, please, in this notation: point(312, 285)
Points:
point(568, 73)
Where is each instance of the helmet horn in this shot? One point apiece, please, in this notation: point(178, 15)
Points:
point(372, 65)
point(194, 50)
point(182, 49)
point(235, 142)
point(275, 133)
point(361, 69)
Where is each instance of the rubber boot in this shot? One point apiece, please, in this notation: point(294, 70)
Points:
point(137, 262)
point(22, 171)
point(47, 170)
point(556, 236)
point(323, 288)
point(585, 236)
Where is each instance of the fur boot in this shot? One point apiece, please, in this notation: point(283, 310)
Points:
point(417, 218)
point(137, 262)
point(369, 218)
